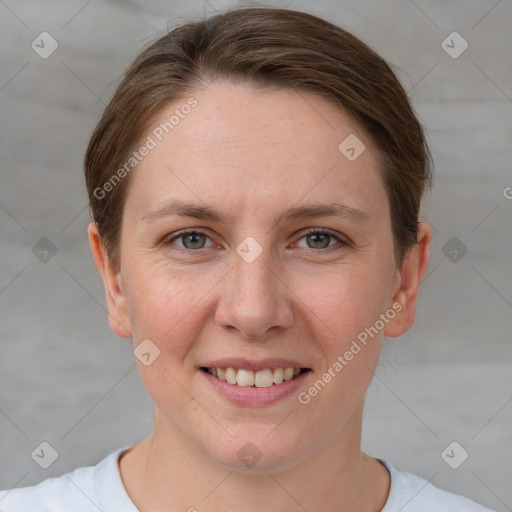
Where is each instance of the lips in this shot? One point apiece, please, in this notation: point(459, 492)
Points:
point(251, 395)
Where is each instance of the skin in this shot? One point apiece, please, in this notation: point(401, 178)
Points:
point(257, 154)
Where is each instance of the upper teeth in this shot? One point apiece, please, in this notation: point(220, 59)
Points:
point(260, 379)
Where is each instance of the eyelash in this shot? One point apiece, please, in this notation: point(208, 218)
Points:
point(323, 231)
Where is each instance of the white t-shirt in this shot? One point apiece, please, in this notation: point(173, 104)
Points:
point(100, 488)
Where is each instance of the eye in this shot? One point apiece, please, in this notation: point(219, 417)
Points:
point(320, 238)
point(190, 240)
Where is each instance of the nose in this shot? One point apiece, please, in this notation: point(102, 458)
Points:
point(255, 301)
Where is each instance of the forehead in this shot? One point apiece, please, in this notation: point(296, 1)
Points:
point(253, 149)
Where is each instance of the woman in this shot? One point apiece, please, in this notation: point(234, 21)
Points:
point(255, 185)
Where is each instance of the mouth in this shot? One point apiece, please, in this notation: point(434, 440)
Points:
point(264, 378)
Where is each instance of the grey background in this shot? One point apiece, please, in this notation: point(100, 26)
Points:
point(65, 378)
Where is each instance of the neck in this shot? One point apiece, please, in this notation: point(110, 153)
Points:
point(167, 471)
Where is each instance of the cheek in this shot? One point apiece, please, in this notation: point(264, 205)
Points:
point(167, 309)
point(166, 304)
point(345, 310)
point(347, 301)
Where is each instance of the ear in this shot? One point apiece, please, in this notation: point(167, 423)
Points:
point(116, 301)
point(409, 279)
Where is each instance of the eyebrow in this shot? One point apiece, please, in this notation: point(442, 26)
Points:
point(187, 209)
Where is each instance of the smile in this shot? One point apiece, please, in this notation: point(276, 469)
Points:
point(260, 379)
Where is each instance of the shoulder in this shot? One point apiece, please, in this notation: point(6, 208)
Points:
point(71, 491)
point(411, 493)
point(77, 490)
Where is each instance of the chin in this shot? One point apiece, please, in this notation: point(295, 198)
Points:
point(257, 454)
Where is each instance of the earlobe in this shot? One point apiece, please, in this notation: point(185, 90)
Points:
point(406, 294)
point(395, 327)
point(116, 301)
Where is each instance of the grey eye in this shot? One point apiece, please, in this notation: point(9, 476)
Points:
point(193, 240)
point(318, 240)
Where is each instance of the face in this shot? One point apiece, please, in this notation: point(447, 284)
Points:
point(228, 261)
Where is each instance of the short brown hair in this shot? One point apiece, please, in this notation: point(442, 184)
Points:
point(263, 47)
